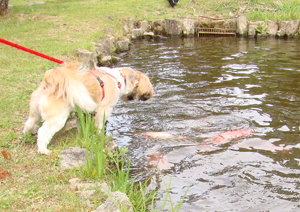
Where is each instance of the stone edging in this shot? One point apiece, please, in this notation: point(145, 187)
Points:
point(107, 47)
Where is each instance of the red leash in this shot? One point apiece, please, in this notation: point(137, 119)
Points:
point(30, 51)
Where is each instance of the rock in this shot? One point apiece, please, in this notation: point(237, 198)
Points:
point(137, 33)
point(188, 27)
point(88, 58)
point(114, 201)
point(257, 28)
point(115, 59)
point(272, 27)
point(160, 37)
point(72, 123)
point(173, 27)
point(131, 24)
point(251, 30)
point(288, 28)
point(98, 49)
point(144, 26)
point(76, 184)
point(126, 28)
point(74, 181)
point(158, 26)
point(242, 25)
point(123, 45)
point(149, 34)
point(105, 61)
point(112, 146)
point(293, 27)
point(72, 157)
point(86, 194)
point(106, 42)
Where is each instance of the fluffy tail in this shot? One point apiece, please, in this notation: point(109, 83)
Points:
point(64, 82)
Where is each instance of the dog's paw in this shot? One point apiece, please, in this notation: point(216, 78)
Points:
point(44, 151)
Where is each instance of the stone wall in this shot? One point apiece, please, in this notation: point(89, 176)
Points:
point(106, 48)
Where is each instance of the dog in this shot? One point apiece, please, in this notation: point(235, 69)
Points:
point(96, 91)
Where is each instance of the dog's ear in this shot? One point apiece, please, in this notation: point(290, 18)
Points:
point(136, 83)
point(144, 88)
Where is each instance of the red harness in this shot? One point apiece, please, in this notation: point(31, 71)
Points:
point(102, 83)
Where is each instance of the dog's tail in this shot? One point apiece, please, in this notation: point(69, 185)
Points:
point(64, 82)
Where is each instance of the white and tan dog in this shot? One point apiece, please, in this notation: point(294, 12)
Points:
point(66, 86)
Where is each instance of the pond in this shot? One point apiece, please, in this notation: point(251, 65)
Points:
point(205, 87)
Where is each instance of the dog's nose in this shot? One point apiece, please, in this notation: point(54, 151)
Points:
point(130, 97)
point(145, 97)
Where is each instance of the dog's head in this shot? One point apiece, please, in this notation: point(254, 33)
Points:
point(138, 86)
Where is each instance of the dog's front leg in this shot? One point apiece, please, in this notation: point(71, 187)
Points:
point(48, 129)
point(102, 113)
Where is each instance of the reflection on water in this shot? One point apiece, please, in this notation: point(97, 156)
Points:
point(203, 87)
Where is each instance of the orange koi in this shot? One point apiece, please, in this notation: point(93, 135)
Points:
point(227, 136)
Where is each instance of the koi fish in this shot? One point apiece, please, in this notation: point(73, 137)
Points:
point(228, 136)
point(162, 136)
point(158, 160)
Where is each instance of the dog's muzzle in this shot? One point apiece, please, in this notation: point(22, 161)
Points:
point(145, 97)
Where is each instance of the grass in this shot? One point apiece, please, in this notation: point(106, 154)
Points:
point(58, 28)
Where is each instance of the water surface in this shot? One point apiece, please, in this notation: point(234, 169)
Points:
point(203, 87)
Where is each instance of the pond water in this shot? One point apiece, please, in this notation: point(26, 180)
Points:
point(203, 88)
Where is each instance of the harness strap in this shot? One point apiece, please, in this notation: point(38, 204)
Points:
point(123, 75)
point(119, 84)
point(100, 81)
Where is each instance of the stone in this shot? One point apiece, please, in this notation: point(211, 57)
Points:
point(72, 157)
point(157, 26)
point(144, 26)
point(251, 30)
point(242, 25)
point(86, 194)
point(257, 28)
point(131, 24)
point(288, 28)
point(87, 57)
point(161, 37)
point(126, 28)
point(105, 60)
point(292, 27)
point(137, 33)
point(106, 42)
point(149, 34)
point(77, 185)
point(115, 59)
point(112, 146)
point(114, 201)
point(98, 49)
point(188, 27)
point(173, 27)
point(123, 45)
point(71, 123)
point(272, 27)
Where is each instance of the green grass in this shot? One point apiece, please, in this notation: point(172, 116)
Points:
point(58, 28)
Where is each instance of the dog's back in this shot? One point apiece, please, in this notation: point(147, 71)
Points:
point(64, 82)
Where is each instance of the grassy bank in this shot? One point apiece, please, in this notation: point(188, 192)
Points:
point(58, 28)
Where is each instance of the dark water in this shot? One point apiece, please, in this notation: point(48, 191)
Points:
point(205, 86)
